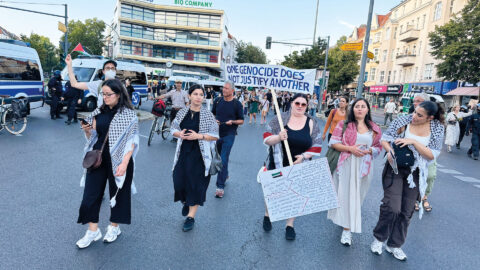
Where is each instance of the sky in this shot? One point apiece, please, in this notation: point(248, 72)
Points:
point(248, 20)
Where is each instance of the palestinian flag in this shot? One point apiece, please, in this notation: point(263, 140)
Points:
point(79, 48)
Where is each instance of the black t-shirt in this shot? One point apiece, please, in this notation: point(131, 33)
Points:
point(209, 94)
point(225, 111)
point(269, 97)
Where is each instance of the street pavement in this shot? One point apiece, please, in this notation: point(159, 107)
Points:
point(40, 196)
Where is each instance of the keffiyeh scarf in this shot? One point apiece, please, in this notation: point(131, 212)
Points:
point(435, 145)
point(208, 126)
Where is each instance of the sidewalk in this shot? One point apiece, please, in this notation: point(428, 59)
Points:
point(142, 115)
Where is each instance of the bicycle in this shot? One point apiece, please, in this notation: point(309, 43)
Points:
point(10, 120)
point(162, 128)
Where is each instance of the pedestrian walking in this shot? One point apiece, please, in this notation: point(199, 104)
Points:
point(208, 98)
point(72, 97)
point(109, 71)
point(473, 126)
point(196, 130)
point(253, 107)
point(112, 129)
point(359, 145)
point(389, 110)
point(335, 116)
point(312, 105)
point(265, 108)
point(229, 115)
point(55, 90)
point(463, 125)
point(422, 132)
point(453, 126)
point(303, 135)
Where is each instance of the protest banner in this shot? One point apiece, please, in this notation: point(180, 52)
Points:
point(272, 76)
point(298, 190)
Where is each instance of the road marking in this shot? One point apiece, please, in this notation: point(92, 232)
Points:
point(450, 171)
point(143, 136)
point(467, 179)
point(478, 186)
point(439, 166)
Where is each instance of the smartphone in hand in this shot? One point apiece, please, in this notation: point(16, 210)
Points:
point(84, 122)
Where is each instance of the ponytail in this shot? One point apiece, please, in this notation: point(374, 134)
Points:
point(434, 109)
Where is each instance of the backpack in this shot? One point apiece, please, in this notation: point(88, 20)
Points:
point(158, 108)
point(20, 107)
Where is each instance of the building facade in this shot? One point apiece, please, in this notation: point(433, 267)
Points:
point(191, 38)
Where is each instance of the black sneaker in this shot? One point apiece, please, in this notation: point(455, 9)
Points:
point(68, 122)
point(75, 121)
point(290, 233)
point(267, 225)
point(188, 225)
point(475, 158)
point(59, 117)
point(458, 146)
point(185, 210)
point(53, 117)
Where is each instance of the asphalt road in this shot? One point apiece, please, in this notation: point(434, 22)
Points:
point(40, 196)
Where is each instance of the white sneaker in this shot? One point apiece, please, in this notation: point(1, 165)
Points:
point(112, 233)
point(397, 253)
point(376, 247)
point(89, 237)
point(346, 238)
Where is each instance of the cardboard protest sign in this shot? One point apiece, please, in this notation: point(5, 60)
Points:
point(271, 76)
point(298, 190)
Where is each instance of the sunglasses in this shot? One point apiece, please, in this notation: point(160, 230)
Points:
point(300, 104)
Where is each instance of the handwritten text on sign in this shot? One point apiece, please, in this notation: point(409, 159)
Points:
point(298, 190)
point(270, 76)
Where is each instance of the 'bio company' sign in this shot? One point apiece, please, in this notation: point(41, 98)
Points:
point(193, 3)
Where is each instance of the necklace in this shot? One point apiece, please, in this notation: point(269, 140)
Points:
point(192, 114)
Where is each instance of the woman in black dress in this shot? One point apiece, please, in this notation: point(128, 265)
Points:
point(197, 131)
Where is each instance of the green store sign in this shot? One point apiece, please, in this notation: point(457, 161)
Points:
point(194, 3)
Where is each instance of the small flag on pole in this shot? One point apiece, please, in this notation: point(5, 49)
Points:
point(79, 48)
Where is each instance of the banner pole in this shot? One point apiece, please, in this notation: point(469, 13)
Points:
point(279, 117)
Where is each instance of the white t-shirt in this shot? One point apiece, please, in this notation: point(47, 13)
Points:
point(93, 88)
point(390, 107)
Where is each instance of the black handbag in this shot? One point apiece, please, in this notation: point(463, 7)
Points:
point(403, 155)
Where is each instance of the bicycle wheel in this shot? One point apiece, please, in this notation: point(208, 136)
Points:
point(152, 130)
point(13, 124)
point(165, 128)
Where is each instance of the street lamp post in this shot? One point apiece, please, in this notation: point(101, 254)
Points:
point(364, 53)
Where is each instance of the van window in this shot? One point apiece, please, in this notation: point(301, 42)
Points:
point(83, 74)
point(136, 76)
point(19, 69)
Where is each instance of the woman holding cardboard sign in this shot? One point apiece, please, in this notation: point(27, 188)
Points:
point(304, 138)
point(358, 143)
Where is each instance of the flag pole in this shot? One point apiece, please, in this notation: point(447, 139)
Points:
point(280, 121)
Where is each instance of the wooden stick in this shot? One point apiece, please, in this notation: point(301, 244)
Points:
point(279, 117)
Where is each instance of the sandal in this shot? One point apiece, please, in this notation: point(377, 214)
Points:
point(417, 208)
point(427, 208)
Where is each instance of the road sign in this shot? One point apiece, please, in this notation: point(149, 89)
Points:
point(352, 46)
point(135, 98)
point(62, 27)
point(370, 55)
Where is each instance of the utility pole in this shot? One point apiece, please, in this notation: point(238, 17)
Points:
point(364, 53)
point(322, 87)
point(315, 28)
point(65, 44)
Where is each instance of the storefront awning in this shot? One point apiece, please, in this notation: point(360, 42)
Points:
point(464, 91)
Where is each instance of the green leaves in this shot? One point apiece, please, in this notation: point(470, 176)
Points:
point(47, 52)
point(247, 53)
point(89, 33)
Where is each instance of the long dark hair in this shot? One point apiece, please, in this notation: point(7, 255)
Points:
point(434, 109)
point(351, 114)
point(195, 87)
point(118, 88)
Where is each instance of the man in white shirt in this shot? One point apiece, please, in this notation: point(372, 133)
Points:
point(389, 110)
point(109, 71)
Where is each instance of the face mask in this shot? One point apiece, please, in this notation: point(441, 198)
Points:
point(110, 74)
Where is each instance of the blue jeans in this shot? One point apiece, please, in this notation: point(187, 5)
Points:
point(224, 146)
point(312, 112)
point(475, 145)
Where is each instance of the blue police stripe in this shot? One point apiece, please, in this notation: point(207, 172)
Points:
point(17, 83)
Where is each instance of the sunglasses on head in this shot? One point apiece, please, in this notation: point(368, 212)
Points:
point(300, 104)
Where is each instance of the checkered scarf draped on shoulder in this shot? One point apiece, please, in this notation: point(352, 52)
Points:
point(208, 125)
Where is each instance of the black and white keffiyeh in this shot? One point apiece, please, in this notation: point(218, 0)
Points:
point(437, 131)
point(122, 134)
point(208, 126)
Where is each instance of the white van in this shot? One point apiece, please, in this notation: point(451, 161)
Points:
point(87, 69)
point(186, 82)
point(21, 74)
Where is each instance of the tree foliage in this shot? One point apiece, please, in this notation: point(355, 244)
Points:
point(457, 45)
point(343, 66)
point(247, 53)
point(312, 57)
point(47, 52)
point(89, 33)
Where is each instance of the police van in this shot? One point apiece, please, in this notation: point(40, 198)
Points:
point(21, 74)
point(88, 68)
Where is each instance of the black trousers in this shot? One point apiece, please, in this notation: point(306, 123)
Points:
point(71, 109)
point(95, 183)
point(55, 106)
point(463, 128)
point(398, 205)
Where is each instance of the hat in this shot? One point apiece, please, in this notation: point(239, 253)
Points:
point(178, 81)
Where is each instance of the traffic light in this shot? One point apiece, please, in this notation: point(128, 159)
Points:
point(320, 82)
point(61, 57)
point(269, 43)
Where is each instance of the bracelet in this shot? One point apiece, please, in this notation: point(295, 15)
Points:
point(303, 156)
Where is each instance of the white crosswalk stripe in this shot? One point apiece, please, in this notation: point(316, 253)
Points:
point(450, 171)
point(467, 179)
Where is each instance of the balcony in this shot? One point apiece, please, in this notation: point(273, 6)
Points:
point(410, 34)
point(406, 60)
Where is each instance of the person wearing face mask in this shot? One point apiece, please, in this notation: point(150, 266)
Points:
point(55, 90)
point(109, 71)
point(358, 140)
point(303, 135)
point(422, 132)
